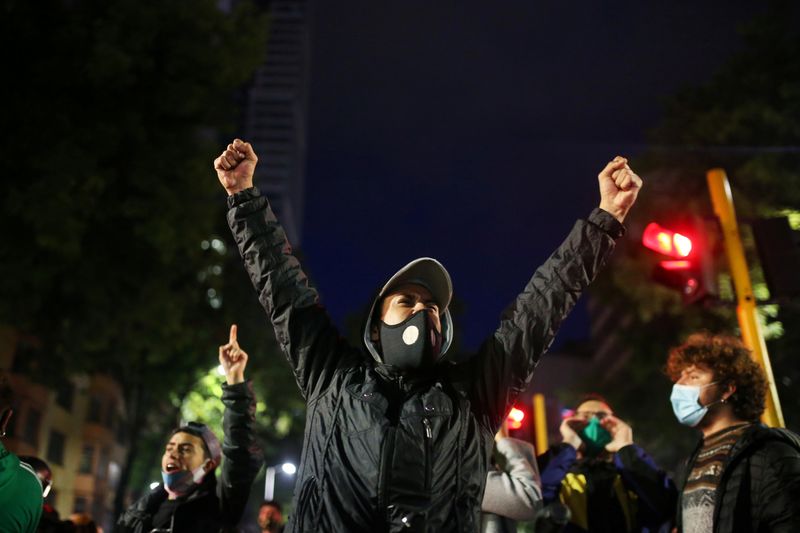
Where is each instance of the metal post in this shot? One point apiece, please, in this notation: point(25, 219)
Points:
point(540, 424)
point(753, 338)
point(269, 484)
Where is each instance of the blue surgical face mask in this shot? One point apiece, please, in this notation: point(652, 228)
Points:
point(686, 403)
point(183, 482)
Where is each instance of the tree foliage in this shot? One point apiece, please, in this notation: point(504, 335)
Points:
point(111, 206)
point(744, 119)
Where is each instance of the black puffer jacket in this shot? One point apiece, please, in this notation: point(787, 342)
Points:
point(213, 507)
point(760, 486)
point(385, 451)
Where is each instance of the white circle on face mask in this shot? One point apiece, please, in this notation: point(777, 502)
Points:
point(410, 335)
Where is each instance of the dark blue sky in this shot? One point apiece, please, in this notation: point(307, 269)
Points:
point(473, 132)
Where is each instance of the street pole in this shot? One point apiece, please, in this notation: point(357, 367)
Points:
point(753, 338)
point(540, 424)
point(269, 484)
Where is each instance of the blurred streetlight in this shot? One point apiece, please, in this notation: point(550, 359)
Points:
point(269, 479)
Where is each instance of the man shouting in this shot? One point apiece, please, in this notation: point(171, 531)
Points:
point(397, 437)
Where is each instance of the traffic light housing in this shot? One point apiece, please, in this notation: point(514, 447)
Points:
point(518, 423)
point(687, 264)
point(515, 418)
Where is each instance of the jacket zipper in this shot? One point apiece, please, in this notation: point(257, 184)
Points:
point(386, 458)
point(428, 453)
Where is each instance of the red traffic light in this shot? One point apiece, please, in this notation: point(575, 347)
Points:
point(676, 265)
point(687, 263)
point(515, 417)
point(666, 241)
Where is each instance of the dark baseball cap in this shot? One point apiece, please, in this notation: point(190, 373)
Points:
point(210, 441)
point(427, 272)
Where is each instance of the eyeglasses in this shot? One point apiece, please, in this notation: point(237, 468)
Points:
point(589, 414)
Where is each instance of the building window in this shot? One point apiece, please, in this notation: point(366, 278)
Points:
point(121, 433)
point(95, 408)
point(102, 465)
point(55, 448)
point(111, 417)
point(81, 504)
point(64, 395)
point(87, 456)
point(30, 432)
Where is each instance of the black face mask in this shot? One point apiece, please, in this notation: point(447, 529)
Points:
point(413, 343)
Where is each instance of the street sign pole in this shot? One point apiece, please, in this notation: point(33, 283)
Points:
point(540, 424)
point(753, 338)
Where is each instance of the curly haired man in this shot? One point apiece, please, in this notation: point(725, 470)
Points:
point(742, 476)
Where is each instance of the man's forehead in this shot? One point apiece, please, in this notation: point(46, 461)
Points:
point(182, 437)
point(700, 369)
point(594, 405)
point(411, 288)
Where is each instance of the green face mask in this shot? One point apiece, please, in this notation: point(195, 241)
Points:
point(594, 436)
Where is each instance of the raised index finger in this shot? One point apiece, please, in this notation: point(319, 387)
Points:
point(234, 330)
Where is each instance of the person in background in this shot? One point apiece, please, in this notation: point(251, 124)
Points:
point(49, 522)
point(270, 519)
point(42, 470)
point(20, 489)
point(513, 488)
point(609, 483)
point(742, 476)
point(83, 523)
point(190, 500)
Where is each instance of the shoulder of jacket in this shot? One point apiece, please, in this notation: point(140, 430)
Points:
point(766, 442)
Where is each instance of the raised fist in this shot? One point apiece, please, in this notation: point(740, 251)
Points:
point(619, 186)
point(235, 167)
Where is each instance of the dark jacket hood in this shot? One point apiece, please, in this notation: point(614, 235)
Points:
point(447, 333)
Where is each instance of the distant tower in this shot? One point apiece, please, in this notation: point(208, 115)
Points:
point(275, 111)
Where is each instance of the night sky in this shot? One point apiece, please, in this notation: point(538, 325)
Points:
point(473, 132)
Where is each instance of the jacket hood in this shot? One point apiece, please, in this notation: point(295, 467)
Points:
point(432, 275)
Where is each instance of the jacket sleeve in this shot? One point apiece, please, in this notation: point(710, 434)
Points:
point(302, 327)
point(556, 463)
point(242, 458)
point(505, 363)
point(656, 491)
point(778, 488)
point(516, 493)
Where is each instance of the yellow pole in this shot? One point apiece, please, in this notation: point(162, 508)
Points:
point(540, 424)
point(752, 336)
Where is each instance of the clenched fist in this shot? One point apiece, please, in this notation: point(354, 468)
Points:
point(619, 186)
point(235, 167)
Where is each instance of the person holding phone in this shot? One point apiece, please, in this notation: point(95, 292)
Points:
point(609, 483)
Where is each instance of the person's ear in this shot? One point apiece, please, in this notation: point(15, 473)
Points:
point(5, 417)
point(209, 465)
point(728, 392)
